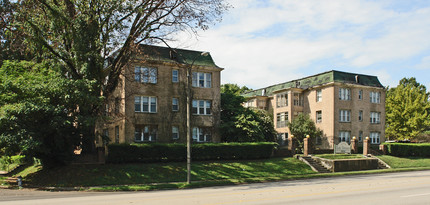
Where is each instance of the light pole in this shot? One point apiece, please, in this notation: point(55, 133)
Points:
point(188, 93)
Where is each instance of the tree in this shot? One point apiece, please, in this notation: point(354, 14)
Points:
point(301, 126)
point(91, 41)
point(407, 110)
point(240, 124)
point(37, 115)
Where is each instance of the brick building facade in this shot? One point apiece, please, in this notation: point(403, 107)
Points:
point(150, 101)
point(341, 104)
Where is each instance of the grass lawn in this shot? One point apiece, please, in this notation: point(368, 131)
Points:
point(340, 156)
point(399, 162)
point(207, 171)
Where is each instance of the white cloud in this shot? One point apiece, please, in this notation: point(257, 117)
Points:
point(261, 43)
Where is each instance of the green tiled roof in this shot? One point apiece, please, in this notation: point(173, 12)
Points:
point(319, 79)
point(173, 55)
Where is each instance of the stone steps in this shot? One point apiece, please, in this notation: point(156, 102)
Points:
point(316, 165)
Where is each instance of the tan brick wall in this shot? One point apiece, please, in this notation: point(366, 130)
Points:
point(164, 90)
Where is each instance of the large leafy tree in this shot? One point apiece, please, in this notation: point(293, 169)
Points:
point(37, 115)
point(301, 126)
point(91, 41)
point(240, 124)
point(407, 110)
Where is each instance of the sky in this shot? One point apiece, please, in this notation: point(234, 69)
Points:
point(264, 42)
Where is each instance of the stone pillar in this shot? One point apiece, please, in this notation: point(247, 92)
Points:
point(306, 146)
point(383, 148)
point(291, 145)
point(354, 145)
point(366, 146)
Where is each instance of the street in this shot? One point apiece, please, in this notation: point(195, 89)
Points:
point(389, 188)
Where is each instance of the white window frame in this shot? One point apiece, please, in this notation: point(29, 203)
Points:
point(145, 74)
point(319, 95)
point(202, 80)
point(360, 136)
point(282, 100)
point(201, 135)
point(146, 134)
point(344, 94)
point(318, 116)
point(344, 115)
point(345, 136)
point(175, 104)
point(175, 132)
point(149, 107)
point(175, 76)
point(298, 99)
point(360, 94)
point(202, 107)
point(281, 119)
point(375, 117)
point(375, 97)
point(375, 137)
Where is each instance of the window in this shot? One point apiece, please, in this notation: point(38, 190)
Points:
point(375, 137)
point(298, 99)
point(145, 104)
point(375, 117)
point(116, 134)
point(360, 115)
point(282, 100)
point(105, 136)
point(117, 102)
point(201, 135)
point(345, 94)
point(250, 103)
point(345, 115)
point(201, 107)
point(145, 75)
point(175, 76)
point(360, 94)
point(145, 133)
point(202, 80)
point(360, 136)
point(175, 104)
point(175, 133)
point(319, 95)
point(319, 116)
point(345, 136)
point(282, 139)
point(375, 97)
point(281, 119)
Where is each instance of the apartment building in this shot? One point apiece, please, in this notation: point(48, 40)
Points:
point(343, 105)
point(150, 101)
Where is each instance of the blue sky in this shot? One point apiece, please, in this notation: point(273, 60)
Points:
point(265, 42)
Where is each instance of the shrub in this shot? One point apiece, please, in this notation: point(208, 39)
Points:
point(126, 153)
point(408, 149)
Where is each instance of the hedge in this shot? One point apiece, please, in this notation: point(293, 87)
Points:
point(408, 149)
point(154, 152)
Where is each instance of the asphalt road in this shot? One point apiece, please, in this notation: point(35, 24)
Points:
point(391, 188)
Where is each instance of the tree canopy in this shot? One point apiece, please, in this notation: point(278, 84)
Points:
point(36, 111)
point(301, 126)
point(240, 124)
point(407, 110)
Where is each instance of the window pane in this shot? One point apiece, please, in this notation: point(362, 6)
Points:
point(194, 110)
point(137, 74)
point(208, 80)
point(137, 107)
point(201, 80)
point(145, 104)
point(195, 80)
point(195, 133)
point(208, 107)
point(175, 104)
point(175, 76)
point(137, 135)
point(153, 104)
point(153, 75)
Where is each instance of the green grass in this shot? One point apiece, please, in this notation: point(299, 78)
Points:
point(399, 162)
point(340, 156)
point(210, 171)
point(16, 161)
